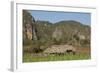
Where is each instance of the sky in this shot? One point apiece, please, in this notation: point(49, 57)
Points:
point(53, 16)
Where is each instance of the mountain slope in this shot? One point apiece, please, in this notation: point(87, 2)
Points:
point(63, 32)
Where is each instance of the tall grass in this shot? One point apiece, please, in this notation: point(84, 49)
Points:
point(29, 58)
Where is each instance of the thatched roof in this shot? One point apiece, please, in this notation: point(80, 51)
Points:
point(59, 49)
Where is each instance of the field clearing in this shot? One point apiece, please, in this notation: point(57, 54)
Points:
point(82, 54)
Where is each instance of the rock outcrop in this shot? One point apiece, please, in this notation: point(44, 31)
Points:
point(29, 26)
point(57, 34)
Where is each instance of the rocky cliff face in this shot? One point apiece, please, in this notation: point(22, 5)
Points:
point(29, 30)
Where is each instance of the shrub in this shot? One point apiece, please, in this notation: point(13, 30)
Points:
point(27, 42)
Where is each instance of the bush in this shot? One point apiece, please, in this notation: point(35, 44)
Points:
point(27, 42)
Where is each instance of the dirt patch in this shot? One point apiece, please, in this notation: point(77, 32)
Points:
point(84, 50)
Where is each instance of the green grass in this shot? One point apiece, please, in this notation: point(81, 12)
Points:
point(29, 58)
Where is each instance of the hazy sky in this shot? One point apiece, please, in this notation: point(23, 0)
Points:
point(53, 17)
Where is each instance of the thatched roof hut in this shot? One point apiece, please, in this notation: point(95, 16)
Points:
point(59, 49)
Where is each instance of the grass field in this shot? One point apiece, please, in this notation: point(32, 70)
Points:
point(29, 58)
point(82, 54)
